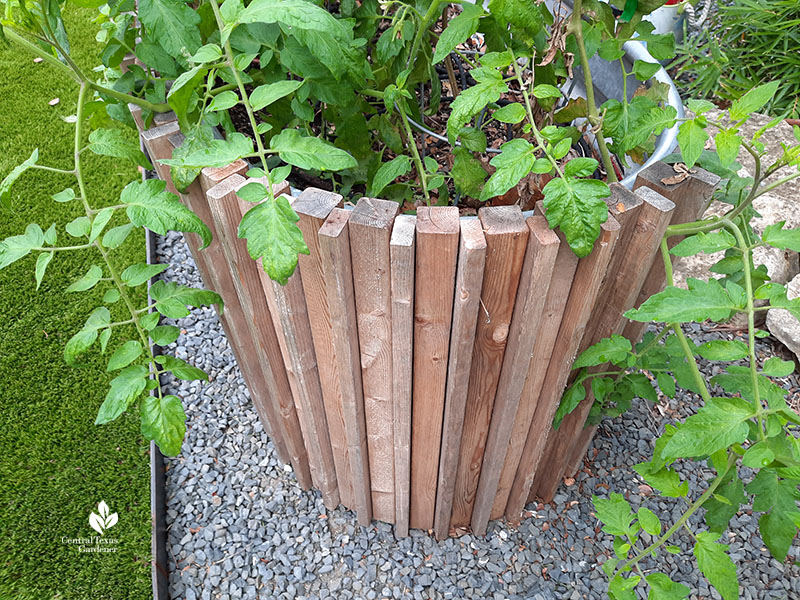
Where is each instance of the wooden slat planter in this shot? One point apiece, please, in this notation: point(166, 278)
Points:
point(411, 366)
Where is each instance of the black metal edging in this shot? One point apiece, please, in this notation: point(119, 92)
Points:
point(159, 566)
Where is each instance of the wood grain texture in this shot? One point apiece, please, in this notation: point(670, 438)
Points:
point(224, 206)
point(506, 238)
point(466, 306)
point(540, 257)
point(160, 143)
point(334, 242)
point(402, 248)
point(313, 206)
point(560, 284)
point(624, 283)
point(606, 318)
point(287, 306)
point(370, 229)
point(589, 276)
point(436, 260)
point(689, 196)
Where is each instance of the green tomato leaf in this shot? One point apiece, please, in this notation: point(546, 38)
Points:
point(775, 367)
point(388, 172)
point(264, 95)
point(215, 153)
point(667, 481)
point(310, 152)
point(545, 90)
point(273, 236)
point(468, 173)
point(580, 167)
point(207, 53)
point(663, 588)
point(716, 565)
point(644, 70)
point(19, 246)
point(722, 422)
point(709, 243)
point(691, 139)
point(727, 143)
point(778, 499)
point(472, 100)
point(785, 239)
point(124, 355)
point(164, 422)
point(569, 402)
point(297, 14)
point(703, 300)
point(8, 181)
point(698, 107)
point(615, 513)
point(180, 368)
point(182, 96)
point(512, 164)
point(164, 335)
point(578, 208)
point(172, 23)
point(64, 195)
point(457, 31)
point(42, 261)
point(723, 350)
point(510, 113)
point(88, 281)
point(172, 300)
point(78, 227)
point(114, 237)
point(223, 101)
point(758, 455)
point(119, 144)
point(753, 100)
point(649, 521)
point(525, 21)
point(125, 387)
point(150, 205)
point(141, 273)
point(615, 349)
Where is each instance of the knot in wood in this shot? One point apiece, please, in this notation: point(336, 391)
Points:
point(500, 333)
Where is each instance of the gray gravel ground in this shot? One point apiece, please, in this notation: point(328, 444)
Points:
point(240, 527)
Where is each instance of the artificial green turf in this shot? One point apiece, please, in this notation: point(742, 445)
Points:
point(55, 464)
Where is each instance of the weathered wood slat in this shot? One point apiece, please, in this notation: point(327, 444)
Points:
point(287, 306)
point(402, 249)
point(619, 294)
point(313, 206)
point(585, 285)
point(334, 242)
point(537, 270)
point(224, 206)
point(466, 305)
point(160, 142)
point(690, 196)
point(506, 238)
point(370, 229)
point(436, 261)
point(617, 287)
point(555, 303)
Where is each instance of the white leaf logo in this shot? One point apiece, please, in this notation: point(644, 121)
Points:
point(105, 520)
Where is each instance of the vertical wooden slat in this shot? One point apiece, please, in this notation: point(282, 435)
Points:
point(537, 270)
point(436, 261)
point(334, 242)
point(506, 238)
point(555, 303)
point(690, 196)
point(585, 285)
point(622, 276)
point(224, 206)
point(625, 280)
point(160, 143)
point(313, 206)
point(469, 279)
point(287, 306)
point(370, 228)
point(402, 248)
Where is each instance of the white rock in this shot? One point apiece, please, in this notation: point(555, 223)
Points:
point(782, 324)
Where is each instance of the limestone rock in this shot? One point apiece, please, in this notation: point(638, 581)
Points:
point(782, 324)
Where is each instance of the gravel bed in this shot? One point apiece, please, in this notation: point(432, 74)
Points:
point(240, 527)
